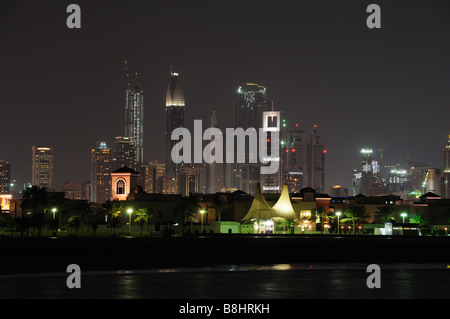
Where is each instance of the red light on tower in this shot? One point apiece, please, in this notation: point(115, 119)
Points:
point(296, 125)
point(315, 125)
point(324, 151)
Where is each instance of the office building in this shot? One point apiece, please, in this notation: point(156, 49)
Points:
point(251, 102)
point(215, 172)
point(101, 163)
point(316, 162)
point(175, 108)
point(5, 177)
point(42, 166)
point(188, 180)
point(304, 160)
point(153, 171)
point(124, 153)
point(134, 119)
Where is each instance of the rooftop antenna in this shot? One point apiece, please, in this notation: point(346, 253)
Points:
point(137, 80)
point(127, 74)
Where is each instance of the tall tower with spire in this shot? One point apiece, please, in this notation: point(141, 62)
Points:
point(175, 108)
point(134, 116)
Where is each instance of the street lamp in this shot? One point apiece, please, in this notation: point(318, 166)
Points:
point(129, 211)
point(202, 212)
point(403, 216)
point(338, 214)
point(54, 217)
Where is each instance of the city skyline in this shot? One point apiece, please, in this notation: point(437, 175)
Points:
point(372, 89)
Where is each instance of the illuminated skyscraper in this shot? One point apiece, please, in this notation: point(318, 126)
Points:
point(5, 177)
point(153, 171)
point(175, 108)
point(134, 119)
point(42, 166)
point(251, 102)
point(371, 183)
point(101, 161)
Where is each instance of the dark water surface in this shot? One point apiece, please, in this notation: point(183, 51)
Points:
point(399, 281)
point(226, 267)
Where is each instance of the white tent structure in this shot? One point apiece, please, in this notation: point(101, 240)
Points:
point(283, 208)
point(260, 209)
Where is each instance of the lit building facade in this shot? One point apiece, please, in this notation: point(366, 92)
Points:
point(123, 182)
point(42, 166)
point(188, 180)
point(251, 102)
point(134, 120)
point(101, 163)
point(5, 177)
point(304, 160)
point(153, 171)
point(175, 108)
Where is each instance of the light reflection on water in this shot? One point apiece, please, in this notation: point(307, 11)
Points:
point(281, 281)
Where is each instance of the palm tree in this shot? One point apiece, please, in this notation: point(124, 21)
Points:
point(187, 209)
point(113, 209)
point(35, 200)
point(92, 221)
point(75, 221)
point(421, 220)
point(220, 205)
point(319, 213)
point(22, 224)
point(386, 214)
point(143, 216)
point(354, 214)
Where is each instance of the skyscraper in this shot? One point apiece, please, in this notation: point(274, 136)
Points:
point(153, 171)
point(215, 171)
point(251, 102)
point(295, 154)
point(175, 108)
point(316, 162)
point(42, 166)
point(134, 119)
point(370, 178)
point(101, 161)
point(124, 153)
point(5, 177)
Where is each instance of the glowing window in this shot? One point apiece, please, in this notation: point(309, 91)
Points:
point(120, 187)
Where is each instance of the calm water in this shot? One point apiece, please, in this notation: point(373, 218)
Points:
point(236, 282)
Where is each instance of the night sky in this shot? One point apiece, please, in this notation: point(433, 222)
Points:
point(320, 63)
